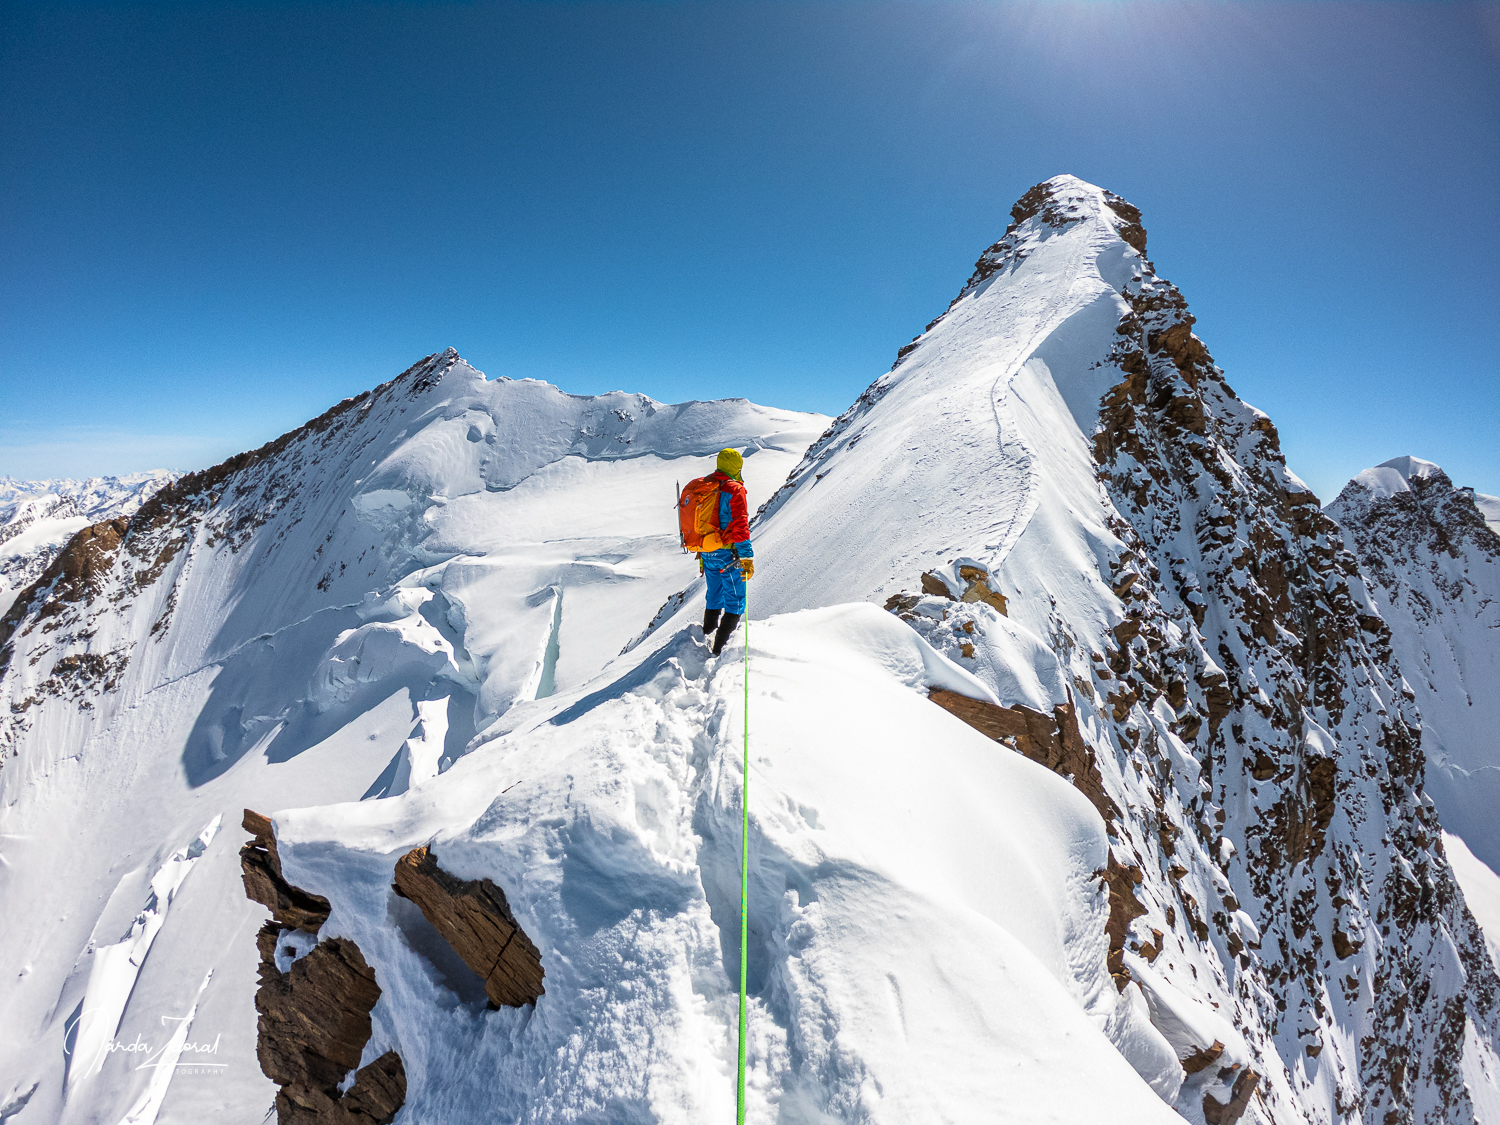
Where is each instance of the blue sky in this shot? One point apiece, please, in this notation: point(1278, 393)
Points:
point(217, 220)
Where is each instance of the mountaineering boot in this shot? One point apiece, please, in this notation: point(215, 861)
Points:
point(726, 626)
point(710, 623)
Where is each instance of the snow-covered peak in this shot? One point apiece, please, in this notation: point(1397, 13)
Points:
point(1410, 467)
point(1430, 557)
point(1411, 494)
point(1395, 475)
point(1067, 199)
point(1055, 206)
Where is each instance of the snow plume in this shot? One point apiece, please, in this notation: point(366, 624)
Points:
point(1116, 815)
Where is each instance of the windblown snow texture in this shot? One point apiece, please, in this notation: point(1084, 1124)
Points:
point(1432, 559)
point(1239, 909)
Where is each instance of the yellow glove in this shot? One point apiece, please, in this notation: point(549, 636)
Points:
point(747, 567)
point(700, 564)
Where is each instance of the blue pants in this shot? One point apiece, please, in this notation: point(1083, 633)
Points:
point(726, 585)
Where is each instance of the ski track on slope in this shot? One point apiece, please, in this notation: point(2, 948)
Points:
point(1008, 433)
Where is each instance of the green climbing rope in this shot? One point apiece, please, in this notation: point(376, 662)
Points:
point(744, 879)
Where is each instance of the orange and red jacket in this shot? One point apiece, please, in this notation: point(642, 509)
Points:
point(734, 513)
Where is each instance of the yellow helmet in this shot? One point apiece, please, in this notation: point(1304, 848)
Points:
point(730, 462)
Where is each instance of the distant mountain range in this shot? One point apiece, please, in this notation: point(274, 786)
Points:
point(38, 516)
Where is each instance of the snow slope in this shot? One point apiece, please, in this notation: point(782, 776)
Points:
point(927, 942)
point(1489, 508)
point(38, 516)
point(1481, 890)
point(325, 619)
point(398, 626)
point(1432, 561)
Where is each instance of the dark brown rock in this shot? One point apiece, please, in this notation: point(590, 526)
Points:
point(88, 553)
point(1202, 1058)
point(1343, 945)
point(1053, 741)
point(72, 576)
point(260, 868)
point(1131, 230)
point(987, 718)
point(1263, 768)
point(932, 584)
point(901, 604)
point(379, 1090)
point(315, 1019)
point(1221, 1113)
point(1151, 950)
point(474, 918)
point(1124, 908)
point(1219, 698)
point(1307, 819)
point(978, 589)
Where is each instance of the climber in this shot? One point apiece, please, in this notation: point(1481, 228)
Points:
point(715, 522)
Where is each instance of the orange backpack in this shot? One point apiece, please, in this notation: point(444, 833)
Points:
point(698, 515)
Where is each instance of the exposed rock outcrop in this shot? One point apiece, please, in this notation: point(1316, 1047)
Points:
point(260, 868)
point(1124, 908)
point(973, 585)
point(71, 576)
point(1316, 871)
point(1216, 1112)
point(474, 918)
point(379, 1090)
point(1202, 1058)
point(314, 1016)
point(36, 518)
point(1052, 740)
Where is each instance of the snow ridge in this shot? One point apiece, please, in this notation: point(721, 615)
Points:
point(1178, 585)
